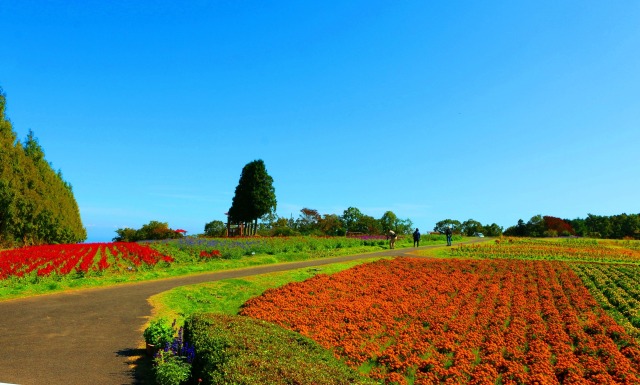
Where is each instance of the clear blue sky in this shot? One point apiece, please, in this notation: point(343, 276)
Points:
point(494, 110)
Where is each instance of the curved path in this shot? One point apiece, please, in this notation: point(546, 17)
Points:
point(91, 336)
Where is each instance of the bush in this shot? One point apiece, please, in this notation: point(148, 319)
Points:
point(172, 364)
point(171, 369)
point(284, 232)
point(241, 350)
point(159, 333)
point(215, 229)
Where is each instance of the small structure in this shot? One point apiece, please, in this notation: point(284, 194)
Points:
point(234, 230)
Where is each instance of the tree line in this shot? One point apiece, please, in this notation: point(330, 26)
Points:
point(37, 205)
point(622, 226)
point(311, 222)
point(469, 228)
point(254, 204)
point(154, 230)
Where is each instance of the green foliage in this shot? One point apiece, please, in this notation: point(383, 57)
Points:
point(254, 195)
point(441, 226)
point(622, 226)
point(471, 227)
point(153, 230)
point(126, 235)
point(241, 350)
point(159, 333)
point(309, 221)
point(171, 369)
point(468, 228)
point(284, 232)
point(215, 229)
point(351, 218)
point(172, 364)
point(389, 221)
point(37, 205)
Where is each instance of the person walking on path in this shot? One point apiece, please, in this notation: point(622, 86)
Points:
point(448, 234)
point(416, 238)
point(392, 237)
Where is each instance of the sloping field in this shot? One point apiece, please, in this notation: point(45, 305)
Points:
point(460, 321)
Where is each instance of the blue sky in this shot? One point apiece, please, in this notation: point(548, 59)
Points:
point(494, 111)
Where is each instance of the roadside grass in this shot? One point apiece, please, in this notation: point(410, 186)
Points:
point(227, 296)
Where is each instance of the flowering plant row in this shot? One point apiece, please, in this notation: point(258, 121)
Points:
point(459, 322)
point(70, 258)
point(616, 287)
point(233, 248)
point(210, 254)
point(572, 250)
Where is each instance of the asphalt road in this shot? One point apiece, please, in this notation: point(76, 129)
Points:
point(93, 336)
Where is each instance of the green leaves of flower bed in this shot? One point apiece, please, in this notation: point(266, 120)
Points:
point(241, 350)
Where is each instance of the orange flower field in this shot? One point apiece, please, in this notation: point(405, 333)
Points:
point(454, 321)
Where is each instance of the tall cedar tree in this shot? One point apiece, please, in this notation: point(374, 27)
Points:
point(36, 205)
point(255, 195)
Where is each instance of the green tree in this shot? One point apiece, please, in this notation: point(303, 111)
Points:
point(330, 224)
point(405, 226)
point(157, 230)
point(368, 225)
point(578, 226)
point(441, 226)
point(284, 227)
point(470, 227)
point(492, 230)
point(519, 230)
point(389, 221)
point(536, 226)
point(215, 229)
point(36, 205)
point(126, 234)
point(254, 195)
point(350, 217)
point(308, 221)
point(154, 230)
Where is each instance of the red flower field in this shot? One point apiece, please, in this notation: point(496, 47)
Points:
point(459, 322)
point(65, 259)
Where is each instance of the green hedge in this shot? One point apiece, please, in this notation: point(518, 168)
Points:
point(241, 350)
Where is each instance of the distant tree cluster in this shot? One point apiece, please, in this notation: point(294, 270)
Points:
point(596, 226)
point(311, 222)
point(352, 221)
point(153, 230)
point(37, 205)
point(255, 199)
point(469, 228)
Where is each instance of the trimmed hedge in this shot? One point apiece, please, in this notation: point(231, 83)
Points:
point(241, 350)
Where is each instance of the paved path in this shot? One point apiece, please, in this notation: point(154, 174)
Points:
point(91, 336)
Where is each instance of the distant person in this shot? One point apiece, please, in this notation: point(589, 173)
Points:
point(392, 237)
point(416, 238)
point(447, 232)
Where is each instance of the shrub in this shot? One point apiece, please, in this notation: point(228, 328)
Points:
point(159, 333)
point(284, 232)
point(170, 369)
point(241, 350)
point(172, 365)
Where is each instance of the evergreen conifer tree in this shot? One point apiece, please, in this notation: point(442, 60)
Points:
point(254, 196)
point(36, 205)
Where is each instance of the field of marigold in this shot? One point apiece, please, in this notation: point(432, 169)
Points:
point(455, 321)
